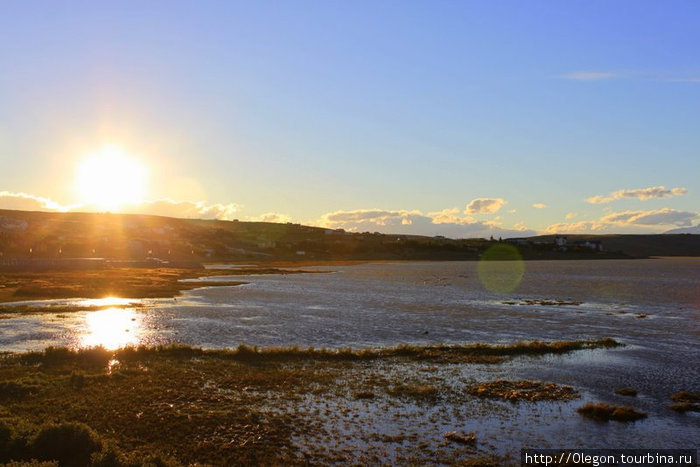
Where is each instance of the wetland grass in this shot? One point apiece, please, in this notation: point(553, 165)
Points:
point(605, 412)
point(186, 405)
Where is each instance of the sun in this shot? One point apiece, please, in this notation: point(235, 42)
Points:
point(110, 179)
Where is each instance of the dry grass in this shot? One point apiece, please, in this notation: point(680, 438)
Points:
point(685, 401)
point(419, 392)
point(604, 412)
point(626, 392)
point(469, 353)
point(466, 438)
point(212, 407)
point(530, 391)
point(683, 407)
point(686, 396)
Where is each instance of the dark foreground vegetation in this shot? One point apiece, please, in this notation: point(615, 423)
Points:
point(174, 405)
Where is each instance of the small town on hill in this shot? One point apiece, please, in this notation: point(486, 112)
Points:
point(76, 240)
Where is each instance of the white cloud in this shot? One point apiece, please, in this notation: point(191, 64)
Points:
point(485, 205)
point(447, 222)
point(571, 215)
point(588, 75)
point(539, 206)
point(184, 209)
point(643, 194)
point(663, 216)
point(27, 202)
point(376, 217)
point(628, 221)
point(450, 216)
point(576, 228)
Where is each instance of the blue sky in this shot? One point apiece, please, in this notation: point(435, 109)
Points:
point(388, 116)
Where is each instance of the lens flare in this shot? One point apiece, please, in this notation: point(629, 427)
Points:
point(501, 268)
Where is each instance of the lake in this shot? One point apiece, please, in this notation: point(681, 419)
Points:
point(652, 306)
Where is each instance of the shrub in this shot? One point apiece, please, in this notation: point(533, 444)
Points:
point(5, 440)
point(71, 444)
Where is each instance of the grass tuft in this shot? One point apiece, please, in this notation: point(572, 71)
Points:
point(686, 396)
point(626, 392)
point(422, 392)
point(468, 438)
point(530, 391)
point(604, 412)
point(683, 407)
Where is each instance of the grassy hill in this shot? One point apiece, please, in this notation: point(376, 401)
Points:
point(43, 235)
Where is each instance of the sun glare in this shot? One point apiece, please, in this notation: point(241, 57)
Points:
point(111, 328)
point(111, 179)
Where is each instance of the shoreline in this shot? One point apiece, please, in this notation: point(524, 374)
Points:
point(136, 283)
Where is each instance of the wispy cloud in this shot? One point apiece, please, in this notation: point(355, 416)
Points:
point(665, 216)
point(589, 75)
point(576, 228)
point(450, 216)
point(484, 205)
point(664, 76)
point(160, 207)
point(642, 194)
point(183, 209)
point(630, 221)
point(539, 206)
point(27, 202)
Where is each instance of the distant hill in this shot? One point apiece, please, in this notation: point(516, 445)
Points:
point(685, 230)
point(55, 236)
point(668, 244)
point(44, 235)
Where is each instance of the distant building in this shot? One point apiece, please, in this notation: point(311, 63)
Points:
point(560, 242)
point(595, 245)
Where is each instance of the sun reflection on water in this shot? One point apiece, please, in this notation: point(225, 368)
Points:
point(107, 301)
point(111, 328)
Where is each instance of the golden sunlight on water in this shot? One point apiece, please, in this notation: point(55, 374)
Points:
point(111, 328)
point(107, 301)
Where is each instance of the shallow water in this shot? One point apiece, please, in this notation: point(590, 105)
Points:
point(653, 306)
